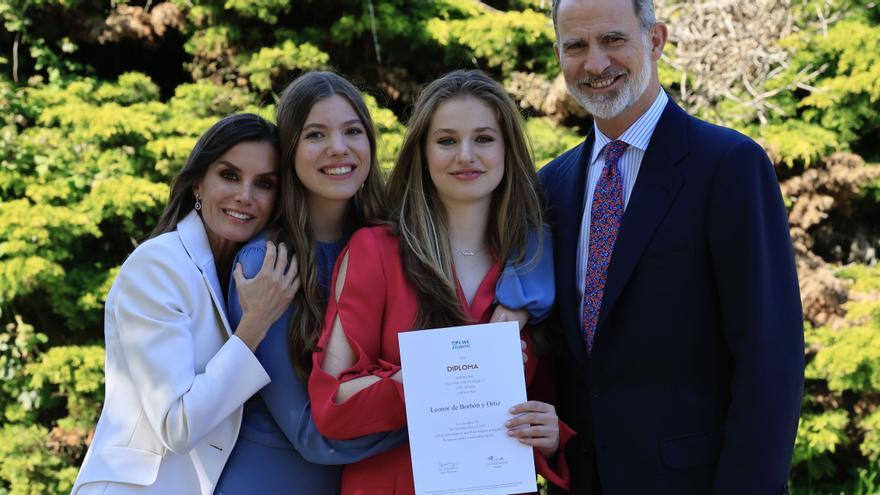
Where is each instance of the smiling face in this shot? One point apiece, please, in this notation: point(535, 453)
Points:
point(465, 151)
point(608, 58)
point(238, 193)
point(332, 157)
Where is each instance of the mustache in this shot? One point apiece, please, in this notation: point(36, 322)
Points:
point(589, 80)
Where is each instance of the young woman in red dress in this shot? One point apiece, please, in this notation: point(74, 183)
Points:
point(463, 196)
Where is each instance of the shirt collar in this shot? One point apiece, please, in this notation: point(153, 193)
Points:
point(638, 135)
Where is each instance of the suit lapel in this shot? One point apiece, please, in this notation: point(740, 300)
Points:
point(195, 241)
point(655, 189)
point(570, 195)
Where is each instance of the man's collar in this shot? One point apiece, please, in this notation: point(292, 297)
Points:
point(638, 135)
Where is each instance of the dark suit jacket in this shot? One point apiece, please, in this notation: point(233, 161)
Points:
point(696, 375)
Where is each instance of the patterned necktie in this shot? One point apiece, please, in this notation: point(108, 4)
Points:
point(605, 216)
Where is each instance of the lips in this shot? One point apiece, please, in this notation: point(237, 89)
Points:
point(238, 215)
point(601, 82)
point(338, 170)
point(467, 174)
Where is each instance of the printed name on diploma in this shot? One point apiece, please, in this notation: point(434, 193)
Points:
point(471, 405)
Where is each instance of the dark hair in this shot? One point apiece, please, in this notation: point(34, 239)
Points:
point(228, 132)
point(644, 10)
point(368, 205)
point(418, 217)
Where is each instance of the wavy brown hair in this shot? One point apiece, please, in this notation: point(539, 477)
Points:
point(294, 229)
point(418, 217)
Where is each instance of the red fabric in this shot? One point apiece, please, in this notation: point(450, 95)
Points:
point(378, 302)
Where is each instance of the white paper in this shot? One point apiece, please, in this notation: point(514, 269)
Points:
point(459, 384)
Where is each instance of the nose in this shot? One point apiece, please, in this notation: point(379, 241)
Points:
point(465, 152)
point(337, 145)
point(245, 193)
point(596, 61)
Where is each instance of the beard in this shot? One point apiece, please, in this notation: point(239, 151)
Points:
point(610, 105)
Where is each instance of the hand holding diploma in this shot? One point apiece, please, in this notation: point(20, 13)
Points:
point(536, 425)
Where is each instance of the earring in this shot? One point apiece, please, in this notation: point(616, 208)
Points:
point(198, 205)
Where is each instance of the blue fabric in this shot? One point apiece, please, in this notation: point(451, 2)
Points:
point(279, 449)
point(530, 284)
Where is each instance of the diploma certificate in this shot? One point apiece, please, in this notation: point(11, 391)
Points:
point(459, 384)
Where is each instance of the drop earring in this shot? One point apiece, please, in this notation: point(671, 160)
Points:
point(198, 205)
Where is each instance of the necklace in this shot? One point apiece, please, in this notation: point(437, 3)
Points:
point(470, 253)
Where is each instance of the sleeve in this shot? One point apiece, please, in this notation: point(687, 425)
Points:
point(360, 308)
point(286, 396)
point(530, 284)
point(762, 322)
point(154, 324)
point(541, 387)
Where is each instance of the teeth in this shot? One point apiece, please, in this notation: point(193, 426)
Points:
point(235, 214)
point(338, 170)
point(602, 83)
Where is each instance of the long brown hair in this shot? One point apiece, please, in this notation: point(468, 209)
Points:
point(418, 217)
point(368, 205)
point(226, 133)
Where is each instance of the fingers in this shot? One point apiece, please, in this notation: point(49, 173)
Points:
point(238, 274)
point(498, 315)
point(530, 419)
point(269, 259)
point(533, 406)
point(522, 345)
point(536, 426)
point(281, 260)
point(294, 287)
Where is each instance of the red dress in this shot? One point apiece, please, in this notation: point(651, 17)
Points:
point(378, 302)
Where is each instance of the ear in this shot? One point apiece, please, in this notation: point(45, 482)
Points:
point(659, 35)
point(196, 188)
point(556, 52)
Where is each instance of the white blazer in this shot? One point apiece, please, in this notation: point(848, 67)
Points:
point(176, 378)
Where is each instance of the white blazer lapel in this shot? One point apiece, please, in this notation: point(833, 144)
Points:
point(195, 241)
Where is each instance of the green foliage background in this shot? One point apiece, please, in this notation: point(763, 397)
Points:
point(93, 124)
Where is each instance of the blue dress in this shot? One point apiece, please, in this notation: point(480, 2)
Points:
point(279, 449)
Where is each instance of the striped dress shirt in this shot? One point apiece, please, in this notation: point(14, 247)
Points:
point(637, 137)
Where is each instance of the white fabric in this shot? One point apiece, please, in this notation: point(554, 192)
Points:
point(175, 377)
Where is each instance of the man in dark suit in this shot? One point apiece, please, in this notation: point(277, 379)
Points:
point(676, 289)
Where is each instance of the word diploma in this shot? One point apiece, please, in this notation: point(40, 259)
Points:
point(459, 384)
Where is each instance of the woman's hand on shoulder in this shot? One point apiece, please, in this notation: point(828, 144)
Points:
point(536, 425)
point(266, 296)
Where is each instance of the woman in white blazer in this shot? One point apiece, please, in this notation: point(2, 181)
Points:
point(176, 373)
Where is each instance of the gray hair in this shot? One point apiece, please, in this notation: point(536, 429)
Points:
point(644, 10)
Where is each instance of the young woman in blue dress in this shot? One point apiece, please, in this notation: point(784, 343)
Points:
point(331, 185)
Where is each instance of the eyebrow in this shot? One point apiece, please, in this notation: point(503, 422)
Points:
point(323, 126)
point(454, 131)
point(235, 167)
point(615, 34)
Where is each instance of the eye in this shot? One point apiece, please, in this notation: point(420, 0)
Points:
point(267, 184)
point(446, 141)
point(313, 135)
point(228, 174)
point(574, 46)
point(354, 131)
point(484, 138)
point(613, 40)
